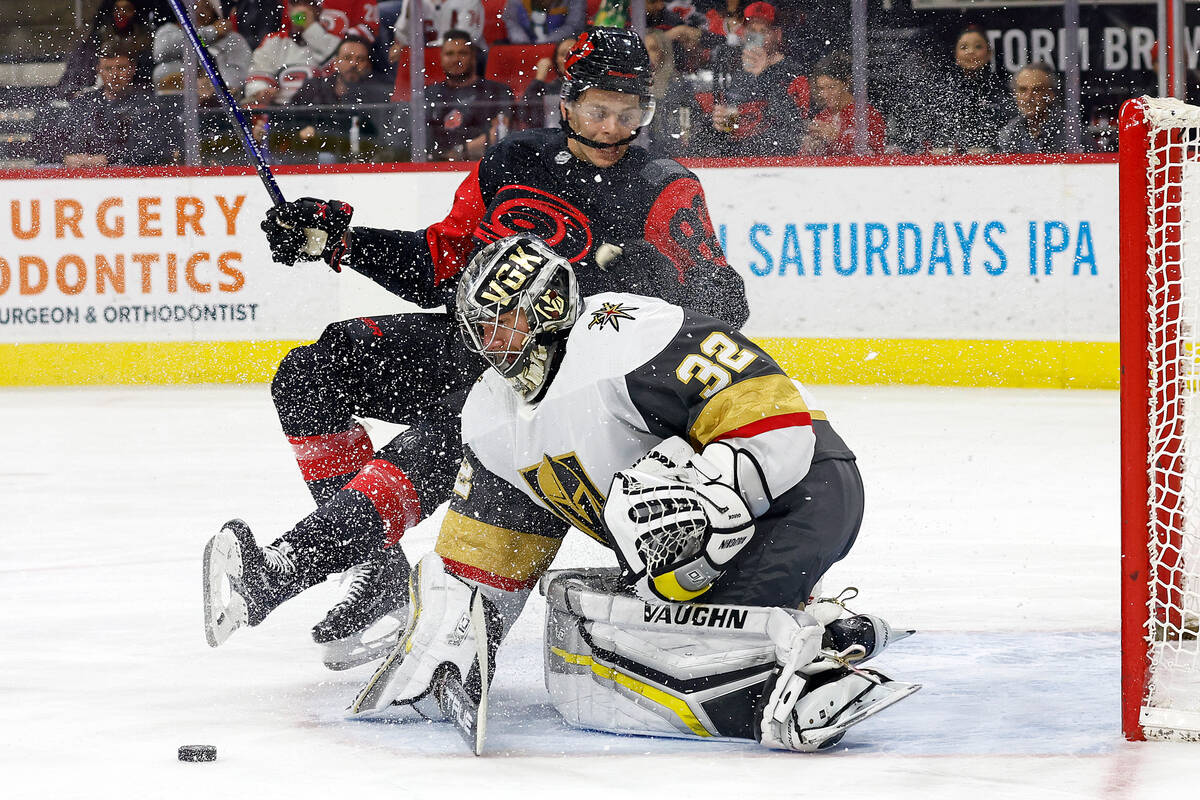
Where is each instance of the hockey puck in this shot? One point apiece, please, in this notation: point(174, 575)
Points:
point(197, 752)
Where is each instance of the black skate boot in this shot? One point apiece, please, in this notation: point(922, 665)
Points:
point(243, 583)
point(860, 637)
point(378, 588)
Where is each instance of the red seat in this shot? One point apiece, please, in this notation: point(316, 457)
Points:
point(433, 73)
point(494, 29)
point(514, 63)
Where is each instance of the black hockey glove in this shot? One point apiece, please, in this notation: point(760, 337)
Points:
point(308, 230)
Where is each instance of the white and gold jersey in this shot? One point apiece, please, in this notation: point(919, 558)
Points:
point(636, 370)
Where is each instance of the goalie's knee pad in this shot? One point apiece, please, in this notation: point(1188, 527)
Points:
point(439, 634)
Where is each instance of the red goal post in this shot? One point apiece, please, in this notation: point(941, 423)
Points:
point(1160, 419)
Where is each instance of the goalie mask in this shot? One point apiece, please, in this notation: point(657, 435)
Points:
point(516, 302)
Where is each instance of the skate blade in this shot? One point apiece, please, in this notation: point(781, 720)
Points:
point(869, 703)
point(371, 696)
point(224, 609)
point(354, 651)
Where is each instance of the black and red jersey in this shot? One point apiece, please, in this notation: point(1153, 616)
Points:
point(653, 210)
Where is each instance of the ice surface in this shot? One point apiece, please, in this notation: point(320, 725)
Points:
point(992, 526)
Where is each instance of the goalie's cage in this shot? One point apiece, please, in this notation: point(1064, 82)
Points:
point(1160, 419)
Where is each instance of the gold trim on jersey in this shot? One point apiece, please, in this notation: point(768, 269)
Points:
point(500, 551)
point(568, 492)
point(675, 705)
point(745, 402)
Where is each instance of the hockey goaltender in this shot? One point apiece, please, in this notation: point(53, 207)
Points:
point(741, 495)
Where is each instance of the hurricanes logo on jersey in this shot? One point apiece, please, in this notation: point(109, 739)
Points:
point(529, 211)
point(610, 314)
point(566, 489)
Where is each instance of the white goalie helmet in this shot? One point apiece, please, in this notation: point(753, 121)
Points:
point(517, 300)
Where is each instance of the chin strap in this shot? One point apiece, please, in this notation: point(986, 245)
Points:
point(571, 134)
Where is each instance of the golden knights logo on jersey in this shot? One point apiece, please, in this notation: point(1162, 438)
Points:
point(568, 491)
point(610, 314)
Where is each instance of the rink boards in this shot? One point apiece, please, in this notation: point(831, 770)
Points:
point(983, 274)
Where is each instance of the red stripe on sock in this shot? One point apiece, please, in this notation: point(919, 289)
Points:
point(483, 576)
point(331, 454)
point(798, 420)
point(392, 494)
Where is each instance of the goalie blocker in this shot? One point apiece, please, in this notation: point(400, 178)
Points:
point(777, 676)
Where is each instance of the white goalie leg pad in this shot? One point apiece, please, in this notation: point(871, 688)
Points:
point(617, 664)
point(438, 632)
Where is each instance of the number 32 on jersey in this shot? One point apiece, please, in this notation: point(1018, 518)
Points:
point(721, 356)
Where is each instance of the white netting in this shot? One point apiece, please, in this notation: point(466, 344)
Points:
point(1173, 682)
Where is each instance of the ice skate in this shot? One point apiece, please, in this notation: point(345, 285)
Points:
point(831, 702)
point(367, 622)
point(242, 582)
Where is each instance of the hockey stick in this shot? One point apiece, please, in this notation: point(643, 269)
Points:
point(251, 147)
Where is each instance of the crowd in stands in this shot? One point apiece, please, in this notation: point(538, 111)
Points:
point(731, 79)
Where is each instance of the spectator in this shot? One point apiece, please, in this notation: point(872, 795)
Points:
point(670, 130)
point(228, 48)
point(531, 112)
point(349, 81)
point(1040, 125)
point(256, 19)
point(438, 18)
point(685, 29)
point(289, 57)
point(542, 21)
point(115, 20)
point(103, 121)
point(359, 18)
point(763, 107)
point(974, 102)
point(832, 130)
point(466, 112)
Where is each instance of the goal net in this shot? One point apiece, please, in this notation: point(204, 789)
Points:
point(1160, 418)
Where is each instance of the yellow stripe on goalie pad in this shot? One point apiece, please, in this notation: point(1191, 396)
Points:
point(500, 551)
point(745, 402)
point(665, 699)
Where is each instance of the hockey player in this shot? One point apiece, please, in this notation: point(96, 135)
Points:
point(741, 495)
point(624, 220)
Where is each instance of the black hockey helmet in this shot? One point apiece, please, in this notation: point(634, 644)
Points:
point(615, 60)
point(608, 58)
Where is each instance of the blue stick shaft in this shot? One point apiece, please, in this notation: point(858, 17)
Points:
point(256, 156)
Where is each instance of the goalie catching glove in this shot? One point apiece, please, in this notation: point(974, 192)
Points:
point(676, 519)
point(308, 230)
